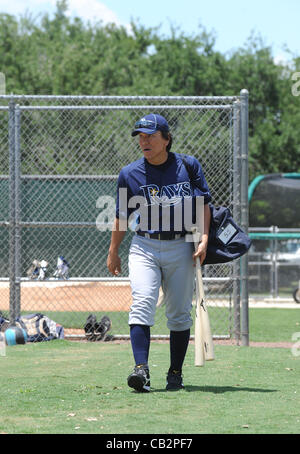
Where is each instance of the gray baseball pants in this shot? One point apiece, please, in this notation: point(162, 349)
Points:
point(167, 263)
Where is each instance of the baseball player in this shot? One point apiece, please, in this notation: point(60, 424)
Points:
point(159, 254)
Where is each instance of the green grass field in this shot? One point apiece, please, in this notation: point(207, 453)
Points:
point(67, 387)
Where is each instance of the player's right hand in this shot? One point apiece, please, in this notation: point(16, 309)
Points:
point(113, 263)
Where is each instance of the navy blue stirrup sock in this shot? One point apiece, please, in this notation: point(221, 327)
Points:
point(140, 343)
point(179, 341)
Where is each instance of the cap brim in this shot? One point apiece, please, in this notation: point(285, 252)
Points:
point(143, 130)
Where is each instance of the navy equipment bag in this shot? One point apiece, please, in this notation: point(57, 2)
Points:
point(226, 240)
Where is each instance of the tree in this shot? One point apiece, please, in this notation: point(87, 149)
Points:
point(64, 56)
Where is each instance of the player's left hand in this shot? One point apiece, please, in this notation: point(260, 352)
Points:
point(201, 252)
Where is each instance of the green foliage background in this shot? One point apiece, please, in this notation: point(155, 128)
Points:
point(63, 56)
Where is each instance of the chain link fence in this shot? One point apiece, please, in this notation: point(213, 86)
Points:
point(274, 263)
point(61, 156)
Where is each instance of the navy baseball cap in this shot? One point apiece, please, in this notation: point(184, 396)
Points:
point(150, 124)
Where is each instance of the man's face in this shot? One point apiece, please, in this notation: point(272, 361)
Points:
point(154, 147)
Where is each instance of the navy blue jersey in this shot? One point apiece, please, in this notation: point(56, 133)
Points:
point(160, 189)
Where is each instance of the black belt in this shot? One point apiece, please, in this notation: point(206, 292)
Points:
point(162, 235)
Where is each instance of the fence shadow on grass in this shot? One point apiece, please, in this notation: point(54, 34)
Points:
point(225, 389)
point(219, 389)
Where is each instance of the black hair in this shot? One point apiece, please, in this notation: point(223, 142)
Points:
point(167, 136)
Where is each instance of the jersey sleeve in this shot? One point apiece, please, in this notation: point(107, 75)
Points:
point(124, 193)
point(121, 211)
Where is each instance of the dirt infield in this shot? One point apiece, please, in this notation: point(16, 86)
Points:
point(67, 296)
point(53, 295)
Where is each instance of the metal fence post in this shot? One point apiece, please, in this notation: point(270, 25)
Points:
point(236, 214)
point(17, 210)
point(12, 267)
point(244, 215)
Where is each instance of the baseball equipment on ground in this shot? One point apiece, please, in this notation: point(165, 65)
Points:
point(2, 344)
point(37, 327)
point(296, 294)
point(204, 349)
point(62, 268)
point(97, 331)
point(101, 328)
point(15, 335)
point(38, 270)
point(89, 327)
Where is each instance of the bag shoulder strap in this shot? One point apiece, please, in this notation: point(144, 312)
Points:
point(191, 174)
point(188, 168)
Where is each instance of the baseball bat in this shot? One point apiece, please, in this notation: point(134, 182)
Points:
point(204, 348)
point(199, 344)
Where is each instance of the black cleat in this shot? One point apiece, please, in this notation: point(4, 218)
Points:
point(89, 327)
point(102, 328)
point(174, 380)
point(139, 379)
